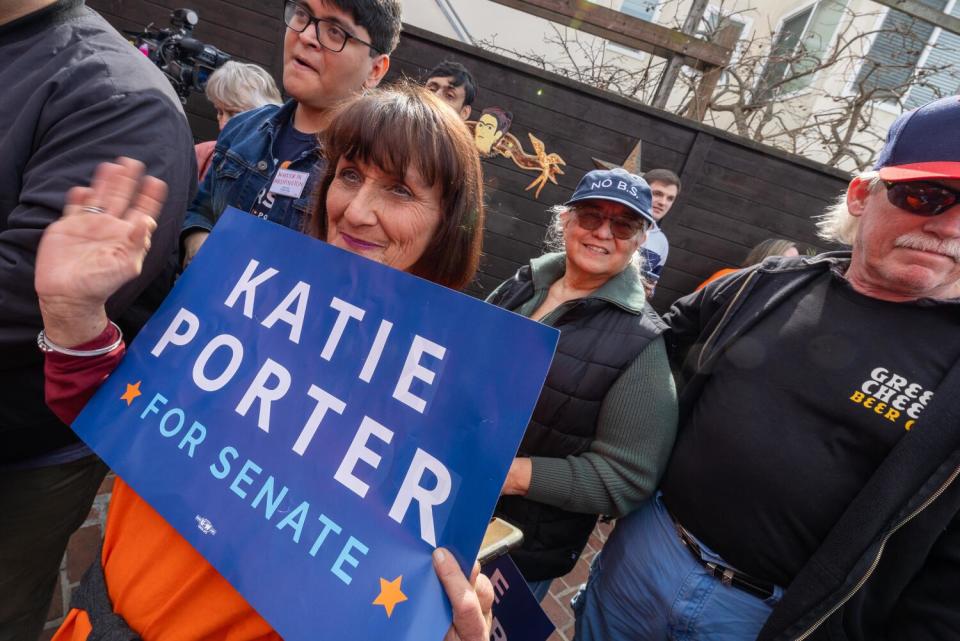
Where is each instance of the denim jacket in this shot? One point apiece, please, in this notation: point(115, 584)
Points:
point(243, 165)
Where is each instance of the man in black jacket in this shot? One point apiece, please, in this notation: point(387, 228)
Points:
point(812, 492)
point(75, 93)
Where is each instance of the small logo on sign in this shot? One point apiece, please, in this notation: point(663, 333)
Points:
point(204, 525)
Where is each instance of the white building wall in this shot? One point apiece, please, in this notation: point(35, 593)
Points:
point(482, 21)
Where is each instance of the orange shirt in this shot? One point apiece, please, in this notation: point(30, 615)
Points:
point(717, 274)
point(161, 586)
point(157, 582)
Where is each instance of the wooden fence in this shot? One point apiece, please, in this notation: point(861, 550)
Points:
point(735, 192)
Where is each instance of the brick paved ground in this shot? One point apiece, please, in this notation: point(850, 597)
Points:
point(81, 551)
point(557, 603)
point(85, 543)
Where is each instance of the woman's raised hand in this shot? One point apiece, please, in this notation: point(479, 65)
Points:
point(97, 246)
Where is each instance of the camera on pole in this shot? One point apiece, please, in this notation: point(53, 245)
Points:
point(186, 61)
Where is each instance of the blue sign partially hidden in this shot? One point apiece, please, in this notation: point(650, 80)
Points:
point(516, 613)
point(315, 423)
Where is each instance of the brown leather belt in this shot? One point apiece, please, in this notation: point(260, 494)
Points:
point(727, 575)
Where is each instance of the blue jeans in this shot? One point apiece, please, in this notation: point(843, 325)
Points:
point(646, 586)
point(540, 589)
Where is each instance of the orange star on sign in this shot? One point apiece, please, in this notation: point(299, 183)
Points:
point(390, 594)
point(132, 392)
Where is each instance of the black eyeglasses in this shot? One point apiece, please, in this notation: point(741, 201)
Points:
point(621, 228)
point(921, 198)
point(330, 35)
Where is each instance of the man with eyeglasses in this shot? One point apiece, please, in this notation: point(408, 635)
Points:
point(813, 491)
point(266, 160)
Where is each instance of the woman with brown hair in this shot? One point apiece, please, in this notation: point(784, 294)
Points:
point(402, 187)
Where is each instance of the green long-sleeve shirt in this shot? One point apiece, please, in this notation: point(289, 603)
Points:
point(636, 426)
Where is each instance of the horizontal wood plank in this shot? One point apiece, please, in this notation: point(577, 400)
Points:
point(626, 30)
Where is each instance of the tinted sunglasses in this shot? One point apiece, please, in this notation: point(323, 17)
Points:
point(921, 198)
point(621, 228)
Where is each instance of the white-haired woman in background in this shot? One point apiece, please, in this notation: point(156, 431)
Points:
point(234, 88)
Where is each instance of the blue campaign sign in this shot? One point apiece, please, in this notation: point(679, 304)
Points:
point(516, 613)
point(315, 423)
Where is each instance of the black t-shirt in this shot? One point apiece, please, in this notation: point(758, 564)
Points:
point(797, 416)
point(288, 146)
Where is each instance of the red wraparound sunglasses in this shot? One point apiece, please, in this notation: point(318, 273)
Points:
point(921, 198)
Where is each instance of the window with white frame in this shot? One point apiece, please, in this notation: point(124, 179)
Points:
point(943, 61)
point(643, 9)
point(911, 60)
point(801, 41)
point(711, 23)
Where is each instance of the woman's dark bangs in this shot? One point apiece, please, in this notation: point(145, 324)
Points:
point(390, 137)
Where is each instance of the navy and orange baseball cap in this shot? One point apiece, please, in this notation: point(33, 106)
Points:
point(923, 144)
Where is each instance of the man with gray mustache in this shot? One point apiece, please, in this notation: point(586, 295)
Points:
point(924, 243)
point(813, 492)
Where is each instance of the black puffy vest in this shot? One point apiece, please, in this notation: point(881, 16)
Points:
point(598, 341)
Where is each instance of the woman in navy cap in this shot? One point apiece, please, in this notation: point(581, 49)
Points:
point(605, 423)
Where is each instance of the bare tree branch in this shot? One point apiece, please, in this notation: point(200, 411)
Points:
point(768, 90)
